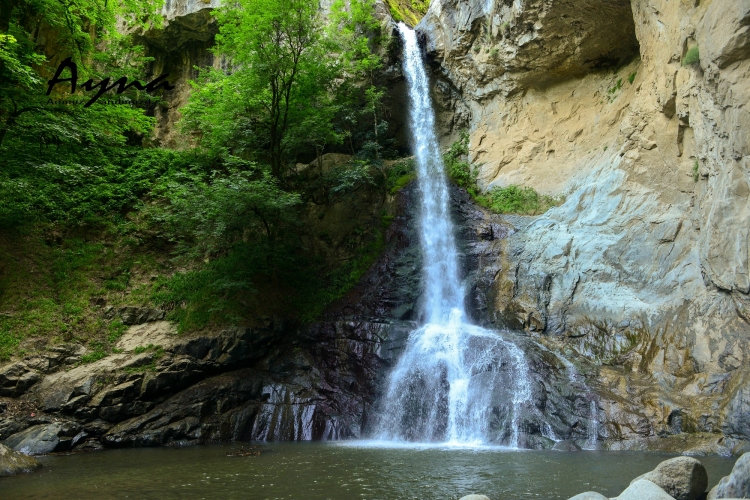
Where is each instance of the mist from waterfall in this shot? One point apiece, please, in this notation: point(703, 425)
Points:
point(446, 385)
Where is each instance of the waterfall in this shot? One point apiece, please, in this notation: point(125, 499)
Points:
point(455, 383)
point(444, 294)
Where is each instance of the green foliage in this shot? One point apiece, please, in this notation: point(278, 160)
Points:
point(696, 171)
point(80, 31)
point(691, 57)
point(408, 11)
point(315, 298)
point(290, 79)
point(616, 87)
point(401, 174)
point(86, 186)
point(213, 294)
point(631, 78)
point(459, 170)
point(349, 29)
point(97, 352)
point(517, 200)
point(207, 216)
point(420, 6)
point(115, 330)
point(156, 349)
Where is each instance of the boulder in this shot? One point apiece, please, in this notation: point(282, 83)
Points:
point(474, 497)
point(44, 438)
point(736, 484)
point(16, 378)
point(684, 478)
point(589, 495)
point(643, 489)
point(11, 425)
point(13, 462)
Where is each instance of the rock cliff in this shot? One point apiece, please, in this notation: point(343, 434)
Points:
point(644, 269)
point(640, 279)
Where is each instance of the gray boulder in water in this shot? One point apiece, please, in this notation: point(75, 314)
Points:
point(736, 484)
point(589, 495)
point(684, 478)
point(13, 462)
point(474, 497)
point(643, 489)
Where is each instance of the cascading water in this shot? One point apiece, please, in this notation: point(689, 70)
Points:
point(455, 382)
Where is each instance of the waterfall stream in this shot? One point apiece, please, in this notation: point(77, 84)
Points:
point(455, 383)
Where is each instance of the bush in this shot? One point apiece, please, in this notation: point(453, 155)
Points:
point(692, 57)
point(517, 200)
point(459, 170)
point(401, 174)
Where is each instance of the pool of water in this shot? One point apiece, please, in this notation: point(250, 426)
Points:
point(336, 471)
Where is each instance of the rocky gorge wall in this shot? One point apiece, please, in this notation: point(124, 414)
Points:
point(644, 269)
point(640, 278)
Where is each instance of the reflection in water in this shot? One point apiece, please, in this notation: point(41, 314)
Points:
point(336, 471)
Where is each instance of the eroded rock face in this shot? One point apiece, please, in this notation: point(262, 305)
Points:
point(496, 47)
point(644, 268)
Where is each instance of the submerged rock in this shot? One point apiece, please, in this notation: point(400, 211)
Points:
point(566, 446)
point(736, 484)
point(13, 462)
point(684, 478)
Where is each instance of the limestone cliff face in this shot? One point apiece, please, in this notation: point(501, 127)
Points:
point(644, 268)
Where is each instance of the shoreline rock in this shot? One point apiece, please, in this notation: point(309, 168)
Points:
point(13, 462)
point(683, 478)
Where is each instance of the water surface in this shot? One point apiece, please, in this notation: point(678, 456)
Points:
point(336, 471)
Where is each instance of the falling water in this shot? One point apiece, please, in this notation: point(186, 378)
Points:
point(455, 382)
point(444, 294)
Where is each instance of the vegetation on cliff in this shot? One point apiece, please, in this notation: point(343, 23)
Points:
point(229, 228)
point(511, 199)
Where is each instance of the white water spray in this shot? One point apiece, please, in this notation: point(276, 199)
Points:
point(453, 380)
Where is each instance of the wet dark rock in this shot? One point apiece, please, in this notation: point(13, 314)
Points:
point(736, 484)
point(684, 478)
point(13, 462)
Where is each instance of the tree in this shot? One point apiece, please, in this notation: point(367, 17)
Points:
point(290, 81)
point(283, 76)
